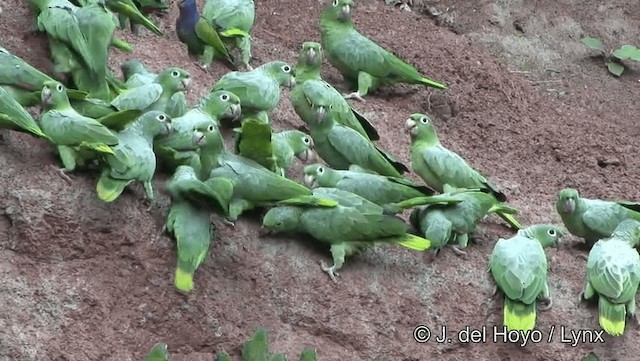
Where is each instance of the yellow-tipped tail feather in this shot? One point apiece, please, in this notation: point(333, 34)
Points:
point(183, 280)
point(519, 316)
point(611, 316)
point(109, 189)
point(414, 243)
point(102, 148)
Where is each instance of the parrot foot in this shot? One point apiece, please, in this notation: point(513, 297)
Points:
point(548, 305)
point(354, 95)
point(248, 66)
point(636, 318)
point(63, 173)
point(458, 251)
point(432, 254)
point(331, 271)
point(204, 67)
point(229, 223)
point(582, 256)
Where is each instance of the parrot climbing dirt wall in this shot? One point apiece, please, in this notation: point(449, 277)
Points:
point(84, 280)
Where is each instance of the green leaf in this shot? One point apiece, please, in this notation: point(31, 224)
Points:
point(615, 68)
point(591, 357)
point(593, 43)
point(627, 52)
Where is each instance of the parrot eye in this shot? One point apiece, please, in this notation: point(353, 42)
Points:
point(320, 170)
point(59, 88)
point(210, 128)
point(330, 106)
point(424, 120)
point(551, 232)
point(175, 74)
point(161, 117)
point(286, 68)
point(335, 2)
point(224, 97)
point(305, 140)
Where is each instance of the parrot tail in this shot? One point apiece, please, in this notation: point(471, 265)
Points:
point(109, 189)
point(431, 83)
point(519, 316)
point(510, 219)
point(183, 280)
point(611, 316)
point(98, 147)
point(413, 242)
point(121, 45)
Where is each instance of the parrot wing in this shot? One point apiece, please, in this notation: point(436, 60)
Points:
point(254, 89)
point(139, 98)
point(14, 116)
point(131, 11)
point(254, 142)
point(17, 72)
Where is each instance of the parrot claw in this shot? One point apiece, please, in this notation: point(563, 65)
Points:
point(580, 298)
point(354, 95)
point(458, 251)
point(228, 223)
point(548, 305)
point(249, 67)
point(331, 271)
point(62, 173)
point(582, 256)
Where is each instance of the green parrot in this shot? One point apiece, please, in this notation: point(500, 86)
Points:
point(178, 147)
point(20, 80)
point(13, 116)
point(129, 13)
point(381, 190)
point(68, 130)
point(156, 95)
point(363, 63)
point(289, 144)
point(443, 169)
point(340, 147)
point(224, 25)
point(613, 274)
point(519, 268)
point(452, 224)
point(257, 349)
point(259, 89)
point(254, 141)
point(593, 219)
point(133, 157)
point(313, 98)
point(189, 224)
point(349, 226)
point(158, 352)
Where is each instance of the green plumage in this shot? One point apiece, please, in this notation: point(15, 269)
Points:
point(155, 95)
point(13, 116)
point(158, 352)
point(20, 80)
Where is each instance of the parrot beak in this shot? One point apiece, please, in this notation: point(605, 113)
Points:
point(311, 56)
point(569, 206)
point(234, 112)
point(185, 83)
point(292, 82)
point(345, 13)
point(307, 156)
point(45, 95)
point(263, 232)
point(321, 114)
point(310, 180)
point(409, 126)
point(198, 138)
point(167, 128)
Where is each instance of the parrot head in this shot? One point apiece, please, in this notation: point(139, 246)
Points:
point(158, 352)
point(547, 234)
point(53, 93)
point(280, 219)
point(567, 201)
point(341, 10)
point(187, 4)
point(221, 104)
point(281, 72)
point(319, 175)
point(174, 79)
point(155, 123)
point(301, 144)
point(421, 128)
point(311, 53)
point(208, 137)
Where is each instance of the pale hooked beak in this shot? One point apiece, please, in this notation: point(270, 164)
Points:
point(198, 138)
point(311, 55)
point(307, 156)
point(345, 12)
point(292, 82)
point(310, 180)
point(186, 82)
point(409, 125)
point(236, 111)
point(569, 206)
point(167, 128)
point(45, 95)
point(321, 114)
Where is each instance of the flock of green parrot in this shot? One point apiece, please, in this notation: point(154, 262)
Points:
point(351, 201)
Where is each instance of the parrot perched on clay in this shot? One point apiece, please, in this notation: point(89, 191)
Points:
point(177, 148)
point(189, 224)
point(158, 352)
point(20, 80)
point(258, 89)
point(133, 157)
point(136, 74)
point(443, 169)
point(13, 116)
point(352, 224)
point(613, 274)
point(224, 25)
point(363, 63)
point(156, 95)
point(593, 219)
point(257, 349)
point(340, 147)
point(313, 98)
point(290, 144)
point(452, 224)
point(518, 265)
point(131, 13)
point(68, 130)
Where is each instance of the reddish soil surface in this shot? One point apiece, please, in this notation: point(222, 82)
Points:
point(84, 280)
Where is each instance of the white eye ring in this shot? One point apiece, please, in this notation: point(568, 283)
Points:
point(286, 68)
point(424, 120)
point(305, 140)
point(210, 128)
point(224, 97)
point(59, 87)
point(335, 2)
point(551, 232)
point(320, 170)
point(175, 74)
point(161, 117)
